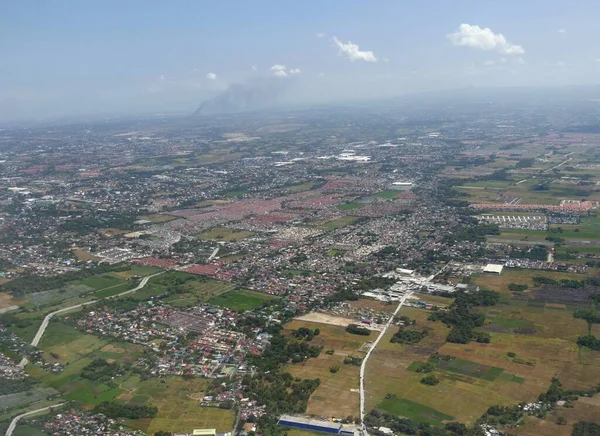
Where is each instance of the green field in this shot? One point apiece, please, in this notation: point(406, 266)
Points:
point(178, 409)
point(414, 411)
point(338, 223)
point(241, 300)
point(198, 290)
point(225, 234)
point(350, 206)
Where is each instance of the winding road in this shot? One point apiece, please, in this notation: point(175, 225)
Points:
point(46, 321)
point(15, 421)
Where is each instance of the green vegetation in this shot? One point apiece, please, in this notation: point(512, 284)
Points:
point(583, 428)
point(514, 287)
point(100, 370)
point(387, 194)
point(241, 300)
point(350, 206)
point(414, 411)
point(305, 333)
point(408, 336)
point(430, 380)
point(130, 411)
point(357, 330)
point(462, 320)
point(338, 223)
point(225, 234)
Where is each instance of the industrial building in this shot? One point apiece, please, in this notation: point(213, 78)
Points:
point(316, 425)
point(491, 268)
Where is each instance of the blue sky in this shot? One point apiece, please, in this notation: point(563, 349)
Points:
point(115, 57)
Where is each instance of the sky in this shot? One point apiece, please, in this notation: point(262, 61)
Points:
point(112, 57)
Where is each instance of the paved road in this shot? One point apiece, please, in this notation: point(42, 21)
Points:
point(364, 362)
point(46, 321)
point(16, 419)
point(214, 253)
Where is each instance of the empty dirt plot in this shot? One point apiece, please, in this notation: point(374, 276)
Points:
point(337, 394)
point(157, 218)
point(338, 223)
point(374, 305)
point(324, 318)
point(7, 300)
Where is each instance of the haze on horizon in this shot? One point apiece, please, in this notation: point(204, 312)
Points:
point(66, 58)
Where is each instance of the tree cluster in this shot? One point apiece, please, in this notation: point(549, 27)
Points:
point(358, 330)
point(102, 371)
point(130, 411)
point(408, 336)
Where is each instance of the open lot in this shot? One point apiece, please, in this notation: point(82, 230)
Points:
point(177, 410)
point(241, 300)
point(338, 223)
point(225, 234)
point(157, 218)
point(338, 393)
point(414, 411)
point(198, 290)
point(325, 318)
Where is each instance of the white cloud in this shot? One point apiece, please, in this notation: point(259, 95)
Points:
point(489, 63)
point(254, 68)
point(282, 71)
point(353, 52)
point(483, 39)
point(211, 76)
point(521, 61)
point(385, 59)
point(162, 77)
point(323, 74)
point(598, 60)
point(560, 64)
point(562, 30)
point(320, 34)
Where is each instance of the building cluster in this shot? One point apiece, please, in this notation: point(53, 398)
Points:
point(198, 341)
point(78, 423)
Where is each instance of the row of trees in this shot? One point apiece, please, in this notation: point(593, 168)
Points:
point(128, 411)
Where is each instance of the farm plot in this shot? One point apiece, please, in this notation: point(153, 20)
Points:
point(241, 300)
point(225, 234)
point(337, 395)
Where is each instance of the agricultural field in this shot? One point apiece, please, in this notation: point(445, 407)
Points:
point(388, 194)
point(224, 234)
point(178, 406)
point(530, 345)
point(85, 255)
point(74, 349)
point(338, 393)
point(414, 411)
point(199, 290)
point(338, 223)
point(241, 300)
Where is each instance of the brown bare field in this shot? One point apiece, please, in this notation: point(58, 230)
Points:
point(325, 318)
point(84, 255)
point(586, 409)
point(157, 218)
point(7, 300)
point(520, 276)
point(550, 351)
point(337, 396)
point(374, 305)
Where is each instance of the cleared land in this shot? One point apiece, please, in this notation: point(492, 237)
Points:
point(325, 318)
point(157, 218)
point(337, 396)
point(198, 290)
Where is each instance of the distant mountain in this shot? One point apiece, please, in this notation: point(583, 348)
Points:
point(254, 94)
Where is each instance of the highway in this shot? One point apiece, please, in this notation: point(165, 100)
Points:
point(46, 321)
point(15, 421)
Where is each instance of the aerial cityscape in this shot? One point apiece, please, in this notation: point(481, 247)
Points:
point(424, 263)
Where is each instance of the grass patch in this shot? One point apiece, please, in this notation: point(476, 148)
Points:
point(225, 234)
point(415, 411)
point(387, 194)
point(335, 253)
point(157, 218)
point(338, 223)
point(241, 300)
point(350, 206)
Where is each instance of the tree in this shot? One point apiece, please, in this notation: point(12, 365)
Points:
point(430, 380)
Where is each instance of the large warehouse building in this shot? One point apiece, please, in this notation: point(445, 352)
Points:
point(316, 425)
